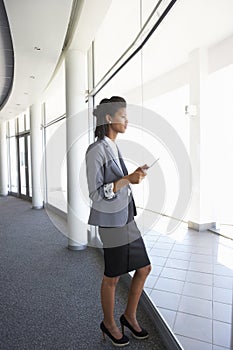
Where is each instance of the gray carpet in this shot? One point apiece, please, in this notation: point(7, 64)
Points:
point(49, 295)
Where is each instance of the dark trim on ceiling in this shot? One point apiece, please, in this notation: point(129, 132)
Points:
point(7, 60)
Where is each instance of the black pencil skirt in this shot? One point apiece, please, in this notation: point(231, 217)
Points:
point(124, 249)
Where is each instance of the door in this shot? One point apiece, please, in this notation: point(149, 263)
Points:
point(24, 166)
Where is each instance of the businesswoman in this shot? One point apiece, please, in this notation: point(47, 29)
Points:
point(113, 211)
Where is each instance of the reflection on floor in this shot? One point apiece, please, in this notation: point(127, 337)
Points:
point(191, 284)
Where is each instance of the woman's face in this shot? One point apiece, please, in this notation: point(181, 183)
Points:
point(120, 121)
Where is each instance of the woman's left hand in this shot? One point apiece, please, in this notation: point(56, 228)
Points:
point(142, 168)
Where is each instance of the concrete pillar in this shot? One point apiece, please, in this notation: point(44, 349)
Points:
point(3, 160)
point(36, 155)
point(202, 214)
point(75, 68)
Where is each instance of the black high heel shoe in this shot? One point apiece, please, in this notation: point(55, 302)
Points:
point(143, 334)
point(123, 341)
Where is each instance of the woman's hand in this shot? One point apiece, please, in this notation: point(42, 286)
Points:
point(138, 175)
point(142, 168)
point(133, 178)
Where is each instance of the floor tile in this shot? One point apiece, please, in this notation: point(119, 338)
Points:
point(165, 239)
point(168, 315)
point(180, 255)
point(165, 299)
point(150, 281)
point(148, 290)
point(156, 270)
point(222, 312)
point(158, 260)
point(201, 267)
point(223, 255)
point(198, 242)
point(159, 252)
point(177, 264)
point(193, 274)
point(222, 270)
point(222, 295)
point(173, 273)
point(193, 326)
point(200, 278)
point(197, 291)
point(161, 245)
point(169, 285)
point(223, 282)
point(149, 244)
point(201, 258)
point(150, 238)
point(222, 334)
point(182, 248)
point(217, 347)
point(201, 250)
point(196, 306)
point(225, 241)
point(192, 344)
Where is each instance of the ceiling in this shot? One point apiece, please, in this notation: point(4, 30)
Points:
point(38, 30)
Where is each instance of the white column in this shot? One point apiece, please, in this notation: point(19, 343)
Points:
point(76, 124)
point(3, 160)
point(36, 155)
point(202, 214)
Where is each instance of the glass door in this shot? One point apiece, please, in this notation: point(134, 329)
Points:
point(24, 166)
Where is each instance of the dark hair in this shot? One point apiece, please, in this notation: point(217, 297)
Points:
point(107, 106)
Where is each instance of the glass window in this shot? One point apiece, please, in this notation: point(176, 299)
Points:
point(118, 30)
point(21, 123)
point(13, 166)
point(29, 165)
point(22, 165)
point(219, 119)
point(27, 116)
point(56, 165)
point(12, 127)
point(55, 103)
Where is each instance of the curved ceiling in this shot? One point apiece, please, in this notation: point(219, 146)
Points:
point(38, 30)
point(6, 57)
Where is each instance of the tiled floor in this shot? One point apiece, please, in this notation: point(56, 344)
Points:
point(191, 284)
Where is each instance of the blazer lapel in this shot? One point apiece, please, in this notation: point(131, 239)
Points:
point(125, 171)
point(112, 156)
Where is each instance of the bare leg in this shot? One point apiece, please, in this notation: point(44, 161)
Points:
point(135, 292)
point(108, 288)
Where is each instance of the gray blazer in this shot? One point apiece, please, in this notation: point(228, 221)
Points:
point(101, 169)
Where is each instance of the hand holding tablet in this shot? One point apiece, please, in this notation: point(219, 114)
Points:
point(146, 167)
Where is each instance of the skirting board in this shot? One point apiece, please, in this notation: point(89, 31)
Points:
point(201, 227)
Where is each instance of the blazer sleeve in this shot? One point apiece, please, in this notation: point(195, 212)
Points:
point(95, 167)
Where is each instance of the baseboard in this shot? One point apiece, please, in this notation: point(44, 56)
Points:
point(56, 211)
point(201, 227)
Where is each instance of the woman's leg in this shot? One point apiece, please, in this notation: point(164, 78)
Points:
point(135, 292)
point(108, 288)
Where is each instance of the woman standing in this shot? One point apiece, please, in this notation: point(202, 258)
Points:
point(113, 211)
